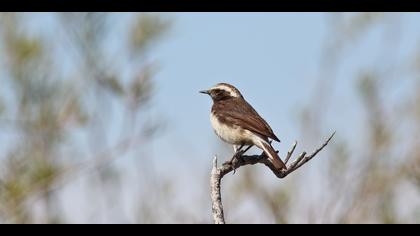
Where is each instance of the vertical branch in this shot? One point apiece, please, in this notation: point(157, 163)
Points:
point(216, 198)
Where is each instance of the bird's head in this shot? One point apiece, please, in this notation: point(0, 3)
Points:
point(222, 91)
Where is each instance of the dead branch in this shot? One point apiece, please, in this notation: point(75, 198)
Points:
point(217, 173)
point(216, 198)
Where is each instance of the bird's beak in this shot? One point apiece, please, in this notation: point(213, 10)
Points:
point(205, 91)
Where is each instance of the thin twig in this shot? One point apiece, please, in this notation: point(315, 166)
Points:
point(290, 152)
point(297, 161)
point(308, 158)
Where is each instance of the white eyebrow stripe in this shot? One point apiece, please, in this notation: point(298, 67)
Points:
point(232, 92)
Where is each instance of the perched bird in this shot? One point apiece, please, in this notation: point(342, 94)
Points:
point(237, 123)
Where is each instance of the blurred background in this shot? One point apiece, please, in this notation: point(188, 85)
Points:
point(101, 120)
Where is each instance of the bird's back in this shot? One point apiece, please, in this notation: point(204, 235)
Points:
point(239, 112)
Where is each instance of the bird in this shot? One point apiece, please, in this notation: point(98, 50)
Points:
point(237, 123)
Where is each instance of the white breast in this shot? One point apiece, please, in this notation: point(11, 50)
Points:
point(232, 135)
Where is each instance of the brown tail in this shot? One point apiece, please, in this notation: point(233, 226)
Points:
point(273, 156)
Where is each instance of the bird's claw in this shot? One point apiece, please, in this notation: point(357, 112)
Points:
point(235, 160)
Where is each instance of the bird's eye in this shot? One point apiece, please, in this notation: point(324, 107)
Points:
point(220, 92)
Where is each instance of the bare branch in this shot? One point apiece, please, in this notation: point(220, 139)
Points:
point(289, 153)
point(216, 197)
point(217, 173)
point(297, 161)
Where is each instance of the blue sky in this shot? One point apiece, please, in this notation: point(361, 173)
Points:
point(272, 58)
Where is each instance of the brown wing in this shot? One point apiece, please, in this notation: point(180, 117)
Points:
point(240, 112)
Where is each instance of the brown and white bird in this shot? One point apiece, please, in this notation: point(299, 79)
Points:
point(237, 123)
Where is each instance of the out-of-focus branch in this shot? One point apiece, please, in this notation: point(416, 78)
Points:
point(69, 174)
point(217, 173)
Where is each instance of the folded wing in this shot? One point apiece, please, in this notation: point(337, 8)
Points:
point(247, 118)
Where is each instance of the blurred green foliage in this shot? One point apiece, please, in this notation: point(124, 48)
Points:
point(365, 185)
point(147, 30)
point(50, 103)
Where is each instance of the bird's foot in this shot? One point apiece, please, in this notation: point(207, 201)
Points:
point(235, 159)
